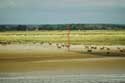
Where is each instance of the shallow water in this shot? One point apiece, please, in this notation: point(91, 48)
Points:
point(82, 78)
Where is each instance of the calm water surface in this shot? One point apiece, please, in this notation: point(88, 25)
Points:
point(81, 78)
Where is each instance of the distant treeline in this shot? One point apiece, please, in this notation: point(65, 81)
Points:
point(62, 27)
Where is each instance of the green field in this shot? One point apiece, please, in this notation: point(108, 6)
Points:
point(86, 37)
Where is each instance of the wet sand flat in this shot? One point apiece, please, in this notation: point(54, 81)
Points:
point(16, 58)
point(100, 65)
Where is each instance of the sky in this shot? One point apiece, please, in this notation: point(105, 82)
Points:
point(62, 11)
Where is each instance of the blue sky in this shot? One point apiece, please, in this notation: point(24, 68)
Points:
point(62, 11)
